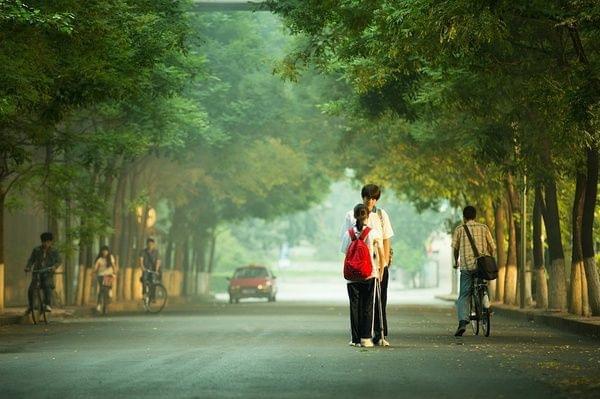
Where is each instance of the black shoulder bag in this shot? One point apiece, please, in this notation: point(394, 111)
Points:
point(487, 268)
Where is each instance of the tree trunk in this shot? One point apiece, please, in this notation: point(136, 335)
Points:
point(187, 267)
point(169, 254)
point(510, 282)
point(211, 254)
point(500, 232)
point(557, 293)
point(2, 280)
point(576, 291)
point(587, 231)
point(69, 264)
point(541, 298)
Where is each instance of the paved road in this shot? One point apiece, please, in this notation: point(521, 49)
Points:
point(260, 350)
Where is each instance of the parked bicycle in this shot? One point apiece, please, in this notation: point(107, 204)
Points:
point(480, 311)
point(155, 294)
point(38, 306)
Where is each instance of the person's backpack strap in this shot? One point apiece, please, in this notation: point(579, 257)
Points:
point(352, 235)
point(380, 214)
point(365, 233)
point(473, 246)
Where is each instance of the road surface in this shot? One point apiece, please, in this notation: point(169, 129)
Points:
point(291, 350)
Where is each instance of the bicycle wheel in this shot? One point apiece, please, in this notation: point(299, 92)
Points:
point(155, 303)
point(104, 299)
point(474, 313)
point(35, 308)
point(38, 312)
point(485, 317)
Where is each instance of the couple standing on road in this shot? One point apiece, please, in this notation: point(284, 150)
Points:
point(371, 224)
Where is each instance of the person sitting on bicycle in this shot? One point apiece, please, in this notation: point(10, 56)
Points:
point(45, 258)
point(468, 263)
point(105, 267)
point(149, 261)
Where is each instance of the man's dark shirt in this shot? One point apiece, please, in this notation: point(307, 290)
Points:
point(41, 259)
point(150, 258)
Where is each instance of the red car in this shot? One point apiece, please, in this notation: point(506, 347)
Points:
point(252, 282)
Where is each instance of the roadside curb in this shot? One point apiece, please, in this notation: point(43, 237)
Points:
point(588, 326)
point(16, 315)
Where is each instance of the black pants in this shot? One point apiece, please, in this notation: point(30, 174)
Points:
point(384, 287)
point(361, 299)
point(47, 284)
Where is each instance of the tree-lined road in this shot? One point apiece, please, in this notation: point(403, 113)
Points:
point(289, 350)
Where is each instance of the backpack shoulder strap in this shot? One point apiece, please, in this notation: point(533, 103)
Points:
point(365, 233)
point(380, 214)
point(351, 233)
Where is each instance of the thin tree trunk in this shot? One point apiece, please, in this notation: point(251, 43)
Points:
point(2, 280)
point(576, 290)
point(557, 287)
point(510, 282)
point(587, 231)
point(500, 233)
point(541, 299)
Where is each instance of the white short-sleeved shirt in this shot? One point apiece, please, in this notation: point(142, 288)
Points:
point(101, 269)
point(373, 241)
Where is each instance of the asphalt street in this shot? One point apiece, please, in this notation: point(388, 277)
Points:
point(291, 350)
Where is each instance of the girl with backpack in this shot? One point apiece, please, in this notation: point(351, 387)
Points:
point(361, 246)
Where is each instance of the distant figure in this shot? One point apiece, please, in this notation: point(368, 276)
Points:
point(468, 263)
point(361, 294)
point(378, 219)
point(47, 259)
point(149, 262)
point(105, 268)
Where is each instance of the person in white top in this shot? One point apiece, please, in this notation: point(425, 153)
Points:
point(104, 267)
point(361, 294)
point(378, 219)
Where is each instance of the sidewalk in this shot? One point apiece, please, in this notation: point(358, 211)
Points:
point(588, 326)
point(16, 315)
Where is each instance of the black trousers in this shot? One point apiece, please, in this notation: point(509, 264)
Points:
point(47, 285)
point(384, 287)
point(361, 296)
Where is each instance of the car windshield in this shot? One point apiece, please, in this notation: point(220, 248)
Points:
point(251, 272)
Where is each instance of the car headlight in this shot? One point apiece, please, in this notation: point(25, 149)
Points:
point(235, 287)
point(260, 287)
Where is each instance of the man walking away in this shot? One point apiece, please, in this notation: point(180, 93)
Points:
point(43, 257)
point(468, 263)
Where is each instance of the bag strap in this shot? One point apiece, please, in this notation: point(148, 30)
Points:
point(365, 233)
point(380, 214)
point(473, 246)
point(352, 235)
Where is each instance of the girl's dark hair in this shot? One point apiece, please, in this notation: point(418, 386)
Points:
point(108, 258)
point(361, 213)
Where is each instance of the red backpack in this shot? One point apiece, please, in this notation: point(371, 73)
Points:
point(357, 264)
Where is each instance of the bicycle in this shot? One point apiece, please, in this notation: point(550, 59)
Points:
point(479, 307)
point(155, 294)
point(37, 309)
point(105, 288)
